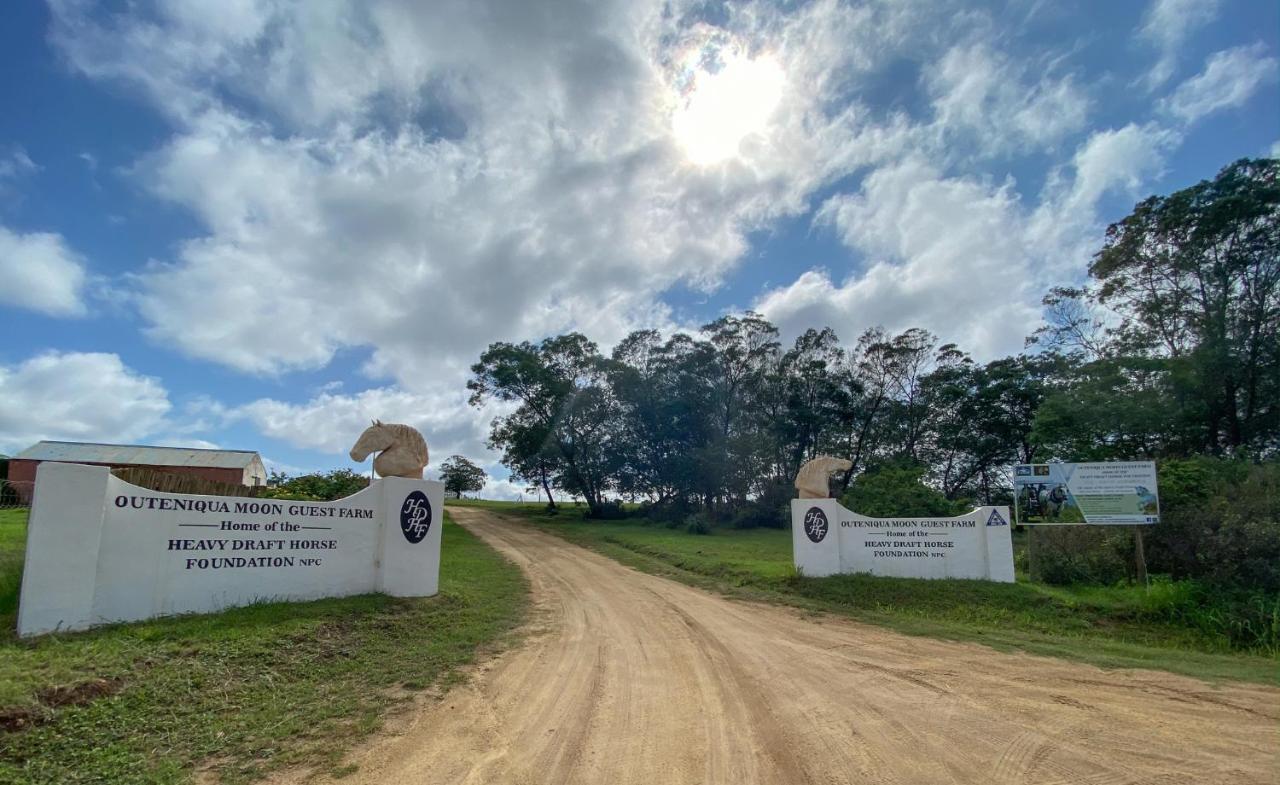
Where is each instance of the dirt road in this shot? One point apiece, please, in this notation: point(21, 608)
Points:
point(630, 678)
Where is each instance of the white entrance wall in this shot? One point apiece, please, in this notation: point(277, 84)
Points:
point(827, 539)
point(100, 550)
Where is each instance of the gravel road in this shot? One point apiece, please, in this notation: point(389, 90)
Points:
point(630, 678)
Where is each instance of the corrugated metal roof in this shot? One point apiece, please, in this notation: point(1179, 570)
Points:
point(136, 454)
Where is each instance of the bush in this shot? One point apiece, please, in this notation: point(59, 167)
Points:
point(1248, 619)
point(752, 516)
point(608, 511)
point(697, 523)
point(319, 486)
point(761, 514)
point(896, 491)
point(772, 510)
point(1219, 523)
point(1064, 555)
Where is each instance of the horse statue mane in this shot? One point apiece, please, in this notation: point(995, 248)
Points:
point(402, 452)
point(813, 478)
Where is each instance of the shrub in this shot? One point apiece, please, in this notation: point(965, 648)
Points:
point(1080, 554)
point(1219, 522)
point(751, 516)
point(697, 523)
point(1246, 618)
point(608, 511)
point(895, 490)
point(318, 486)
point(669, 510)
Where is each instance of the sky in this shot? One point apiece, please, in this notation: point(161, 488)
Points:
point(257, 224)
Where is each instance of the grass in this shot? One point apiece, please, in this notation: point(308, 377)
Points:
point(243, 692)
point(1109, 626)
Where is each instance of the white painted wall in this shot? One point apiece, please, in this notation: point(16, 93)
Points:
point(101, 550)
point(975, 545)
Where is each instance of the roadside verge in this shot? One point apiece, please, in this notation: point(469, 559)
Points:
point(238, 694)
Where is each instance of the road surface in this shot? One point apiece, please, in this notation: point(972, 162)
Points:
point(631, 678)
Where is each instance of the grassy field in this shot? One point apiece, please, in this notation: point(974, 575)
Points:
point(242, 692)
point(1120, 626)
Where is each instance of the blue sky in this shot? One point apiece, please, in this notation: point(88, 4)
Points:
point(258, 224)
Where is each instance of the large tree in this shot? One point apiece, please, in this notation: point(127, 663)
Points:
point(460, 475)
point(561, 432)
point(1192, 280)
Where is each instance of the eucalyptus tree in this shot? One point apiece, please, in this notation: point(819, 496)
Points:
point(563, 427)
point(1183, 313)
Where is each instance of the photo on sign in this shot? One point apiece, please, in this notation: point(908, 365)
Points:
point(1101, 492)
point(1041, 502)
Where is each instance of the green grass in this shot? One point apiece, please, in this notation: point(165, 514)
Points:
point(1110, 626)
point(241, 692)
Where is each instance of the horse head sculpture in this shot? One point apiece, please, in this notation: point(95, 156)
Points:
point(402, 452)
point(812, 481)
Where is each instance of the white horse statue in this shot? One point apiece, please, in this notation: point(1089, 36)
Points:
point(402, 452)
point(812, 482)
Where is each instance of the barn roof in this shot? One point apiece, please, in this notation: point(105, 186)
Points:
point(136, 454)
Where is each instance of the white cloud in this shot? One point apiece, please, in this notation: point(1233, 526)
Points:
point(1167, 26)
point(998, 105)
point(498, 486)
point(331, 423)
point(1119, 160)
point(960, 256)
point(947, 254)
point(78, 396)
point(426, 180)
point(40, 273)
point(16, 162)
point(1229, 79)
point(420, 181)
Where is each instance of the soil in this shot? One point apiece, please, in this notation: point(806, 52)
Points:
point(631, 678)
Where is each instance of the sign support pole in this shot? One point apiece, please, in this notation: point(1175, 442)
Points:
point(1031, 568)
point(1140, 556)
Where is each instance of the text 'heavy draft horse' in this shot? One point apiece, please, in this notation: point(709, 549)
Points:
point(402, 452)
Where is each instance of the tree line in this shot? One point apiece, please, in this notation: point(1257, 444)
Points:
point(1170, 349)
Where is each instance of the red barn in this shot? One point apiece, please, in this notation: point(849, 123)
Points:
point(235, 467)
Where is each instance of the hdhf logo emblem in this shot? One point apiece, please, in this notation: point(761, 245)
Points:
point(996, 519)
point(415, 516)
point(815, 524)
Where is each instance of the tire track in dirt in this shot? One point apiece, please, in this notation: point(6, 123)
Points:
point(630, 678)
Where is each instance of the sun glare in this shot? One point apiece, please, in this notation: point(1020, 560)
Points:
point(724, 107)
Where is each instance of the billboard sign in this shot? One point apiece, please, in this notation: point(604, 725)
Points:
point(1108, 492)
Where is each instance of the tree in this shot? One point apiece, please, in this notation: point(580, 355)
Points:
point(461, 475)
point(560, 434)
point(1193, 279)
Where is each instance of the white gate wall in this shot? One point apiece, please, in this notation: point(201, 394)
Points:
point(828, 539)
point(101, 550)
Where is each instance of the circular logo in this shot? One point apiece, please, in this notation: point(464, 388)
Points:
point(815, 524)
point(415, 516)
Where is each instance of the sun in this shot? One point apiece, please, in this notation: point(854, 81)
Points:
point(722, 107)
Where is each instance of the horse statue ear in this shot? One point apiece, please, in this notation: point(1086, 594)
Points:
point(378, 423)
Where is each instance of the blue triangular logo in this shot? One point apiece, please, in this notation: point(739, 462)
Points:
point(996, 519)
